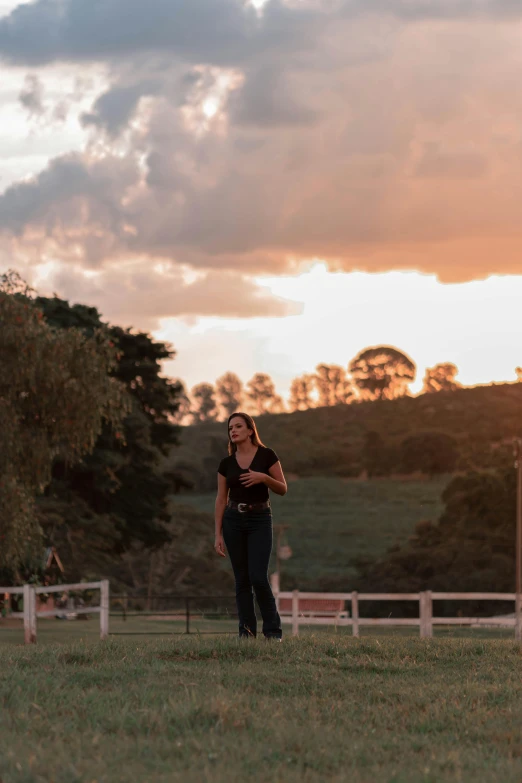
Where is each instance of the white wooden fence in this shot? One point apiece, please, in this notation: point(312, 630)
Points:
point(30, 613)
point(425, 620)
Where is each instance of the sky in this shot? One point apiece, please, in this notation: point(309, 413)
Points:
point(273, 184)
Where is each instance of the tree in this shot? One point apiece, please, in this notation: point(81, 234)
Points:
point(184, 405)
point(429, 452)
point(229, 393)
point(518, 371)
point(56, 390)
point(204, 406)
point(333, 386)
point(470, 549)
point(382, 372)
point(302, 393)
point(441, 377)
point(121, 487)
point(262, 396)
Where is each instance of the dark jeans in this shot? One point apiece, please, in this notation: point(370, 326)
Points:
point(248, 539)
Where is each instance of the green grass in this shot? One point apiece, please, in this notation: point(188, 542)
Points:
point(334, 521)
point(380, 710)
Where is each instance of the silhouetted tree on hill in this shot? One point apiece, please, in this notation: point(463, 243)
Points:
point(262, 396)
point(332, 384)
point(441, 377)
point(204, 405)
point(229, 393)
point(382, 372)
point(302, 393)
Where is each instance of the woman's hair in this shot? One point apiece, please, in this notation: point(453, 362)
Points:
point(249, 421)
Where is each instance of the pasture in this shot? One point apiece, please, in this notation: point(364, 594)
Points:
point(335, 521)
point(319, 707)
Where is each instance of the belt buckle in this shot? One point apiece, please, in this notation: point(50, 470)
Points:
point(245, 505)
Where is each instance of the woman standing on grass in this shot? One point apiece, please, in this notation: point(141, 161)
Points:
point(244, 522)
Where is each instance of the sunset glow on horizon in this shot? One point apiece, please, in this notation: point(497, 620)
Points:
point(272, 184)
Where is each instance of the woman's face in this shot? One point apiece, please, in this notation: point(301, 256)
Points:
point(238, 430)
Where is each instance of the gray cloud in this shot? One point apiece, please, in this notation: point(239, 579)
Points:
point(217, 31)
point(31, 95)
point(113, 109)
point(266, 100)
point(68, 197)
point(222, 32)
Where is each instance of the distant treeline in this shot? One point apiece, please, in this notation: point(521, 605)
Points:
point(378, 373)
point(430, 434)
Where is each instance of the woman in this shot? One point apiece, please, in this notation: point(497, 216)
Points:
point(244, 522)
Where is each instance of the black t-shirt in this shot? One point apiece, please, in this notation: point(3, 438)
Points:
point(264, 458)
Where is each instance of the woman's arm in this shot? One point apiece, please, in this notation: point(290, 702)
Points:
point(276, 480)
point(221, 502)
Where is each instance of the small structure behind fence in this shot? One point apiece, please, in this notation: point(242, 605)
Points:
point(309, 609)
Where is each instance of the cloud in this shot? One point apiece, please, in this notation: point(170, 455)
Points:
point(218, 31)
point(140, 294)
point(113, 109)
point(266, 100)
point(375, 135)
point(460, 164)
point(31, 95)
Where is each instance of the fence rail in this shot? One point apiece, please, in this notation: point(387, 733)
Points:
point(31, 613)
point(425, 620)
point(291, 604)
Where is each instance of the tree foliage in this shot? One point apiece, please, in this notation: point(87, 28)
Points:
point(262, 396)
point(471, 547)
point(119, 493)
point(302, 393)
point(56, 391)
point(441, 377)
point(204, 403)
point(332, 384)
point(429, 452)
point(382, 372)
point(229, 393)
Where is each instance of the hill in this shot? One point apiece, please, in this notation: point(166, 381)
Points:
point(335, 523)
point(334, 440)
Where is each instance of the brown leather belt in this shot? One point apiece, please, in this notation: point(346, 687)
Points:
point(242, 507)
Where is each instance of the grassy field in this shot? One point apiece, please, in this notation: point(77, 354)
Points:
point(334, 521)
point(315, 708)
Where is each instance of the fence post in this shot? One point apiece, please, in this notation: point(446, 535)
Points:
point(422, 614)
point(429, 614)
point(104, 609)
point(295, 613)
point(518, 617)
point(425, 614)
point(355, 614)
point(32, 604)
point(29, 636)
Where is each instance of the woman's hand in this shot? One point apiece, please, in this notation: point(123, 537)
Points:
point(251, 478)
point(219, 546)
